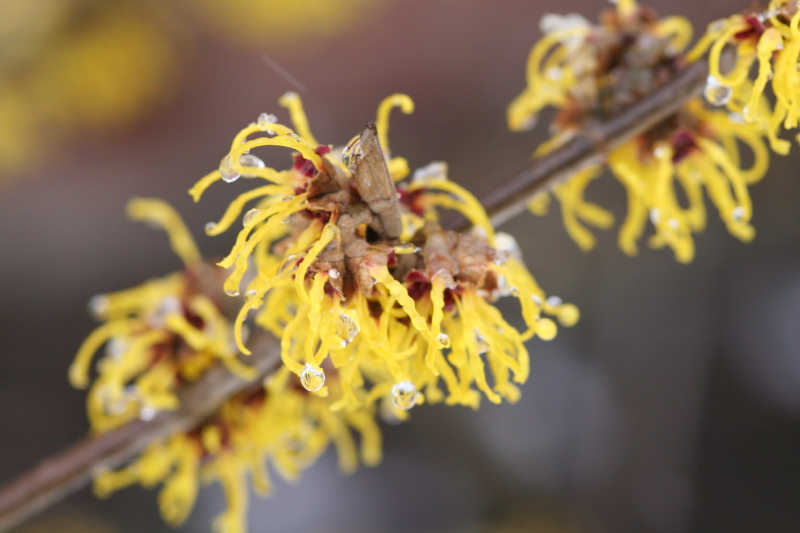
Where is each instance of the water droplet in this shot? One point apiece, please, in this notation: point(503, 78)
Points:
point(351, 153)
point(717, 25)
point(116, 348)
point(737, 213)
point(334, 273)
point(346, 328)
point(673, 223)
point(210, 226)
point(736, 118)
point(537, 300)
point(232, 292)
point(716, 93)
point(404, 395)
point(655, 215)
point(513, 291)
point(291, 262)
point(287, 198)
point(554, 301)
point(407, 248)
point(436, 171)
point(98, 306)
point(311, 378)
point(168, 306)
point(659, 152)
point(505, 242)
point(480, 343)
point(147, 413)
point(443, 339)
point(265, 120)
point(286, 219)
point(294, 136)
point(529, 122)
point(227, 171)
point(554, 74)
point(249, 216)
point(247, 160)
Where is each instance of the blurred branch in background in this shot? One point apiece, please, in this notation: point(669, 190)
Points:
point(69, 471)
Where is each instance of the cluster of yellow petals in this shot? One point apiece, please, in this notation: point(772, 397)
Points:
point(280, 427)
point(385, 345)
point(700, 150)
point(151, 345)
point(346, 358)
point(767, 42)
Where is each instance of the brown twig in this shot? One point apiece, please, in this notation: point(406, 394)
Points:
point(72, 469)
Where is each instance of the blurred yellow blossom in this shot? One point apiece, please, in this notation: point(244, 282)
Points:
point(592, 72)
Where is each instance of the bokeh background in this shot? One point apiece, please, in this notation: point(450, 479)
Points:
point(673, 406)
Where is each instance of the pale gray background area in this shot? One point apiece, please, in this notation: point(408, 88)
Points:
point(672, 407)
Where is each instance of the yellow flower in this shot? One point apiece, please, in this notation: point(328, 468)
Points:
point(771, 39)
point(591, 72)
point(278, 425)
point(157, 335)
point(359, 281)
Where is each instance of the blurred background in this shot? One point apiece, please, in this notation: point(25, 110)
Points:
point(673, 406)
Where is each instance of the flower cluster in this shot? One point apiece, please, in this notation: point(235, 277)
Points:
point(158, 335)
point(771, 39)
point(169, 331)
point(277, 424)
point(357, 278)
point(376, 306)
point(590, 72)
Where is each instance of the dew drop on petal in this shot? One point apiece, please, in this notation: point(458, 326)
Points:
point(717, 25)
point(248, 160)
point(351, 153)
point(334, 273)
point(311, 378)
point(655, 215)
point(227, 171)
point(435, 171)
point(480, 343)
point(116, 348)
point(406, 248)
point(210, 226)
point(249, 216)
point(147, 413)
point(673, 223)
point(232, 292)
point(286, 220)
point(346, 328)
point(443, 339)
point(404, 395)
point(265, 121)
point(554, 301)
point(716, 93)
point(98, 306)
point(737, 213)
